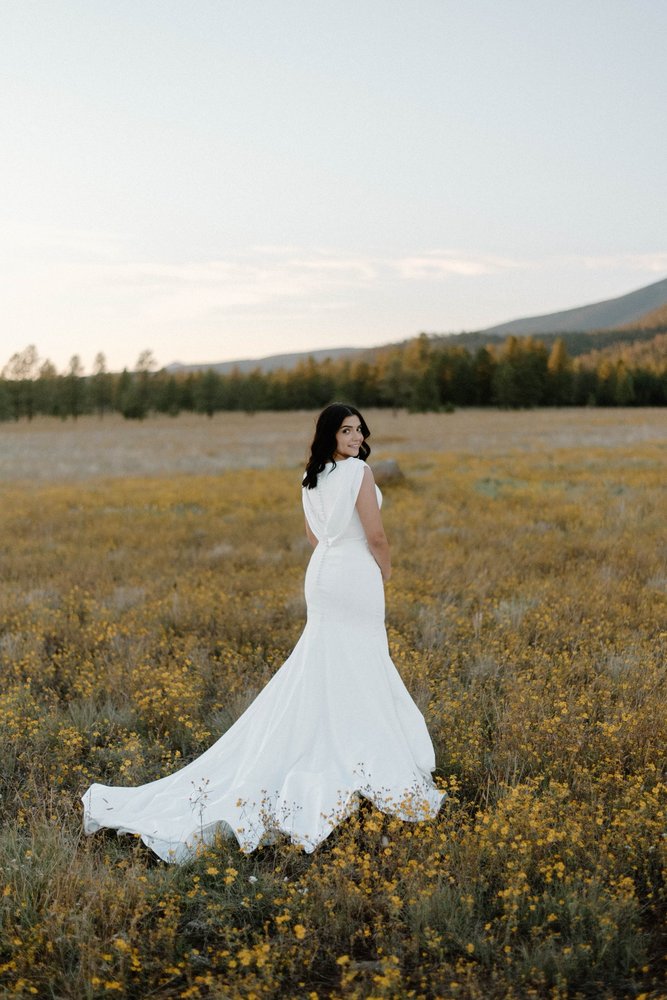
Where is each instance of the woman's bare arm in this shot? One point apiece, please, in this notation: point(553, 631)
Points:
point(371, 519)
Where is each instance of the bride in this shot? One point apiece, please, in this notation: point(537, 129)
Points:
point(334, 723)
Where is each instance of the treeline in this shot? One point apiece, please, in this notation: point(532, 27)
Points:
point(419, 375)
point(651, 354)
point(577, 342)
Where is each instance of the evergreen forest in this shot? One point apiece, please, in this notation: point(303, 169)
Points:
point(426, 373)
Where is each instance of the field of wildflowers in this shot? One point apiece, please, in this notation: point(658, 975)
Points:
point(527, 614)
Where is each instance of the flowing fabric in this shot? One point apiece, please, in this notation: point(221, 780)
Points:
point(334, 722)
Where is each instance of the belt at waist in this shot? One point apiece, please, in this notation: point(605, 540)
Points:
point(335, 542)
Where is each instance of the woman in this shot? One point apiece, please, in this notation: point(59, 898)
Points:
point(333, 723)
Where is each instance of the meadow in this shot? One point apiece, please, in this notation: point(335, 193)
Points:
point(152, 583)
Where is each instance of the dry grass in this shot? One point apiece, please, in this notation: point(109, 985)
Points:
point(527, 615)
point(91, 448)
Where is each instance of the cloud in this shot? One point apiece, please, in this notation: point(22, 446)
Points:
point(101, 268)
point(264, 276)
point(437, 265)
point(284, 279)
point(68, 289)
point(221, 285)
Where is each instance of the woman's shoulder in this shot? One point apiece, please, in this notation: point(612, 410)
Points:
point(354, 463)
point(353, 467)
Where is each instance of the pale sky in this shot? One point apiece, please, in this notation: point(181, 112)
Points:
point(220, 179)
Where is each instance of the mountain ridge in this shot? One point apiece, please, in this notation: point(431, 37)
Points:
point(609, 314)
point(271, 362)
point(642, 309)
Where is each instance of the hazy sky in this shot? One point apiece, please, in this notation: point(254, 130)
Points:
point(219, 179)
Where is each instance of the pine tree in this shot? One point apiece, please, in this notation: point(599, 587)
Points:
point(560, 380)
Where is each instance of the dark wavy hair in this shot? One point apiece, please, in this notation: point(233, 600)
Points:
point(324, 443)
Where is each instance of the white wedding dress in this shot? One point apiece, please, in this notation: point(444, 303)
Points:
point(334, 722)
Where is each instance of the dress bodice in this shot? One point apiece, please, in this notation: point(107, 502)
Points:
point(330, 506)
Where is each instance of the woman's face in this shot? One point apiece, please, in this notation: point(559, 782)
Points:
point(348, 438)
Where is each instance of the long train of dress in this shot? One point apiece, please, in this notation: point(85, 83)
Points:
point(335, 722)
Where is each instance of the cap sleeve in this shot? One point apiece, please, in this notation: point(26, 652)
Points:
point(329, 507)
